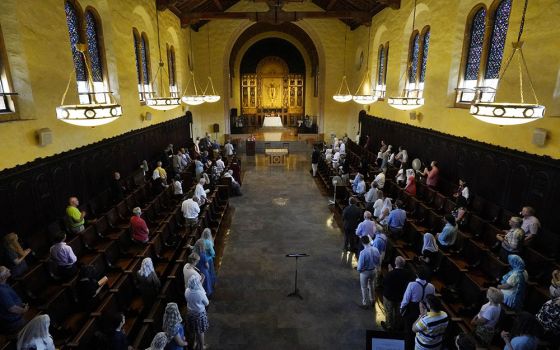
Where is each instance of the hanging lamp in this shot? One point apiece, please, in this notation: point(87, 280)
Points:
point(405, 102)
point(212, 97)
point(162, 103)
point(366, 99)
point(91, 114)
point(194, 99)
point(511, 113)
point(343, 93)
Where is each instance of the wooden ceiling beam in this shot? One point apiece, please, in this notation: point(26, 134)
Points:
point(331, 5)
point(219, 5)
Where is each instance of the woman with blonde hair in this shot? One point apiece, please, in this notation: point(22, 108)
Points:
point(159, 342)
point(487, 319)
point(197, 319)
point(148, 281)
point(173, 327)
point(35, 335)
point(14, 254)
point(204, 266)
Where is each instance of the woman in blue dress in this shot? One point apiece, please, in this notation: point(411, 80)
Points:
point(210, 252)
point(513, 283)
point(204, 266)
point(173, 328)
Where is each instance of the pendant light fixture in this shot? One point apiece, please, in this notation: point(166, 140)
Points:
point(212, 97)
point(343, 93)
point(405, 102)
point(511, 113)
point(195, 99)
point(161, 102)
point(358, 97)
point(91, 114)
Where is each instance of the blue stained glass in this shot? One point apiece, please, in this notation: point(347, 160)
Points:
point(93, 47)
point(137, 49)
point(414, 59)
point(381, 66)
point(144, 53)
point(425, 47)
point(73, 22)
point(475, 46)
point(498, 40)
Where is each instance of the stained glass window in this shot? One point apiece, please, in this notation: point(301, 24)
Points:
point(171, 65)
point(498, 40)
point(475, 45)
point(137, 50)
point(425, 47)
point(145, 55)
point(73, 22)
point(414, 58)
point(381, 65)
point(93, 47)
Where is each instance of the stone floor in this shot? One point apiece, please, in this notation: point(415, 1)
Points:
point(283, 211)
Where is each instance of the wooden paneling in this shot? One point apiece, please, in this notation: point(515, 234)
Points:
point(506, 177)
point(35, 194)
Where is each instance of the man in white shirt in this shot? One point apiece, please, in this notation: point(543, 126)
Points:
point(190, 210)
point(200, 192)
point(531, 224)
point(380, 180)
point(178, 186)
point(342, 148)
point(228, 148)
point(220, 166)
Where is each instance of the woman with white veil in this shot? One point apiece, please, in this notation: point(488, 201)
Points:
point(35, 335)
point(197, 319)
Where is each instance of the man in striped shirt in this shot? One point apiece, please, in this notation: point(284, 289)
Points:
point(431, 325)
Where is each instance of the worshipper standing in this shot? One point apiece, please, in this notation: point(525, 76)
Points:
point(385, 211)
point(380, 179)
point(488, 316)
point(11, 306)
point(364, 165)
point(14, 255)
point(385, 157)
point(200, 192)
point(432, 176)
point(431, 325)
point(74, 217)
point(514, 282)
point(235, 186)
point(178, 162)
point(315, 160)
point(197, 319)
point(190, 210)
point(402, 156)
point(190, 268)
point(116, 338)
point(117, 188)
point(380, 242)
point(430, 251)
point(415, 293)
point(378, 204)
point(88, 287)
point(138, 228)
point(220, 165)
point(462, 193)
point(531, 225)
point(63, 257)
point(460, 215)
point(228, 149)
point(206, 236)
point(512, 241)
point(178, 187)
point(173, 328)
point(524, 333)
point(159, 342)
point(369, 262)
point(198, 167)
point(351, 216)
point(410, 186)
point(394, 286)
point(364, 228)
point(159, 179)
point(35, 335)
point(371, 196)
point(447, 237)
point(147, 281)
point(203, 266)
point(396, 220)
point(358, 185)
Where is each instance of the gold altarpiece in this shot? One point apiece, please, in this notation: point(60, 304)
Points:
point(272, 90)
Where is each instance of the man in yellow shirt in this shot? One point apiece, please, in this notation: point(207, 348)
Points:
point(160, 172)
point(75, 217)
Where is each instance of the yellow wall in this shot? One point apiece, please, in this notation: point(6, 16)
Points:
point(447, 22)
point(40, 60)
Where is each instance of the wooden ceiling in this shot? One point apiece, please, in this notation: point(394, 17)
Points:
point(196, 13)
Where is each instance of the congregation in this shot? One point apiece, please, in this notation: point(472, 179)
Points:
point(149, 254)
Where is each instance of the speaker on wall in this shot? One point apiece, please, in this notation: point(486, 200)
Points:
point(44, 137)
point(412, 115)
point(539, 137)
point(216, 127)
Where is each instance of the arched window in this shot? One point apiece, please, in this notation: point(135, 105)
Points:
point(142, 64)
point(85, 41)
point(382, 59)
point(6, 102)
point(483, 52)
point(172, 71)
point(418, 58)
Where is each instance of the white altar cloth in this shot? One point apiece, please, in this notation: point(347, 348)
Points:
point(274, 122)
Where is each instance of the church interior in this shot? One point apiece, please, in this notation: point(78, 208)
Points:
point(171, 168)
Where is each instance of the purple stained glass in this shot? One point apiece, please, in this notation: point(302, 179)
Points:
point(73, 22)
point(414, 59)
point(498, 40)
point(425, 47)
point(137, 49)
point(94, 48)
point(475, 46)
point(381, 70)
point(144, 53)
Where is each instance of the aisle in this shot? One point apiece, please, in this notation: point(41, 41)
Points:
point(283, 211)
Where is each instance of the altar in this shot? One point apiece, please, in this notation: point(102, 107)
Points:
point(276, 156)
point(272, 121)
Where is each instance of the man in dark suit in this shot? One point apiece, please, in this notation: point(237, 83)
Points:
point(351, 217)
